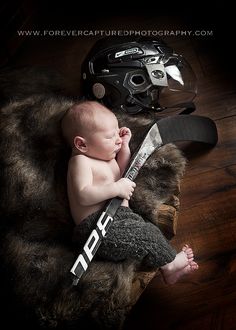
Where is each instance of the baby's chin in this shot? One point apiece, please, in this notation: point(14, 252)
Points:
point(112, 157)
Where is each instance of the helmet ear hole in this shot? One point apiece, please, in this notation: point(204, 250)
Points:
point(137, 80)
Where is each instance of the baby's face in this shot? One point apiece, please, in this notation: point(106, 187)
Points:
point(105, 142)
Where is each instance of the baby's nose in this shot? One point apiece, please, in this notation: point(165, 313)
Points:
point(118, 140)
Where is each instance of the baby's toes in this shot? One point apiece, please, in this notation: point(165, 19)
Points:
point(193, 265)
point(185, 247)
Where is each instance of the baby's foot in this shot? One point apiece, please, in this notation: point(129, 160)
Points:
point(181, 260)
point(173, 278)
point(182, 264)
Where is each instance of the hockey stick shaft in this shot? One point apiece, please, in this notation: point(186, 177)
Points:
point(151, 142)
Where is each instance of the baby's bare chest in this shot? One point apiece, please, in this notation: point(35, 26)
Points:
point(105, 172)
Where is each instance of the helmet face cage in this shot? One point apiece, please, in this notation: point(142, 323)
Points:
point(137, 74)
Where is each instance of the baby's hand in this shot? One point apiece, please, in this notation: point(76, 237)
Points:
point(125, 188)
point(125, 134)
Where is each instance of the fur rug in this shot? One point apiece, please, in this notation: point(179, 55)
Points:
point(36, 226)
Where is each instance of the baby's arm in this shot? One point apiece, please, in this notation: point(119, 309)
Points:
point(123, 157)
point(89, 194)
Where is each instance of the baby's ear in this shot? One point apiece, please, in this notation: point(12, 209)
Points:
point(80, 144)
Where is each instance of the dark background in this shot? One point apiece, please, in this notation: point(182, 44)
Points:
point(29, 14)
point(213, 58)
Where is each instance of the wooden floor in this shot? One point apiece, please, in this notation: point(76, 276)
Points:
point(207, 219)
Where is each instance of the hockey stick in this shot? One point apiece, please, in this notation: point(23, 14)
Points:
point(170, 129)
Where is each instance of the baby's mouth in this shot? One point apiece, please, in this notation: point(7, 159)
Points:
point(117, 150)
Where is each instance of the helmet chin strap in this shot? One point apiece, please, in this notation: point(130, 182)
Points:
point(189, 107)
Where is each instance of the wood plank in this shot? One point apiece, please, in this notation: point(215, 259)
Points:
point(207, 186)
point(191, 299)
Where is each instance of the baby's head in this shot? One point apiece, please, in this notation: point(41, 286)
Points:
point(86, 122)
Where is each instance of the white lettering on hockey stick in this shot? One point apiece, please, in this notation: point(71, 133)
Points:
point(102, 226)
point(91, 245)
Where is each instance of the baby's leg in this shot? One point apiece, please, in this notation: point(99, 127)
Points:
point(129, 237)
point(182, 264)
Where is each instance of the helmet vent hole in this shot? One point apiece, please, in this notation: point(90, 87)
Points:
point(137, 80)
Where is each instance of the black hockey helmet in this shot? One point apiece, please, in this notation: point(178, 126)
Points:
point(132, 74)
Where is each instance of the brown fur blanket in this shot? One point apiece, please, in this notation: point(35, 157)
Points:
point(36, 226)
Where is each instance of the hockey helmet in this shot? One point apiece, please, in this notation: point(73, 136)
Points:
point(132, 74)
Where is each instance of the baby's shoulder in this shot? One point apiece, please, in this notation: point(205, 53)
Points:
point(79, 161)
